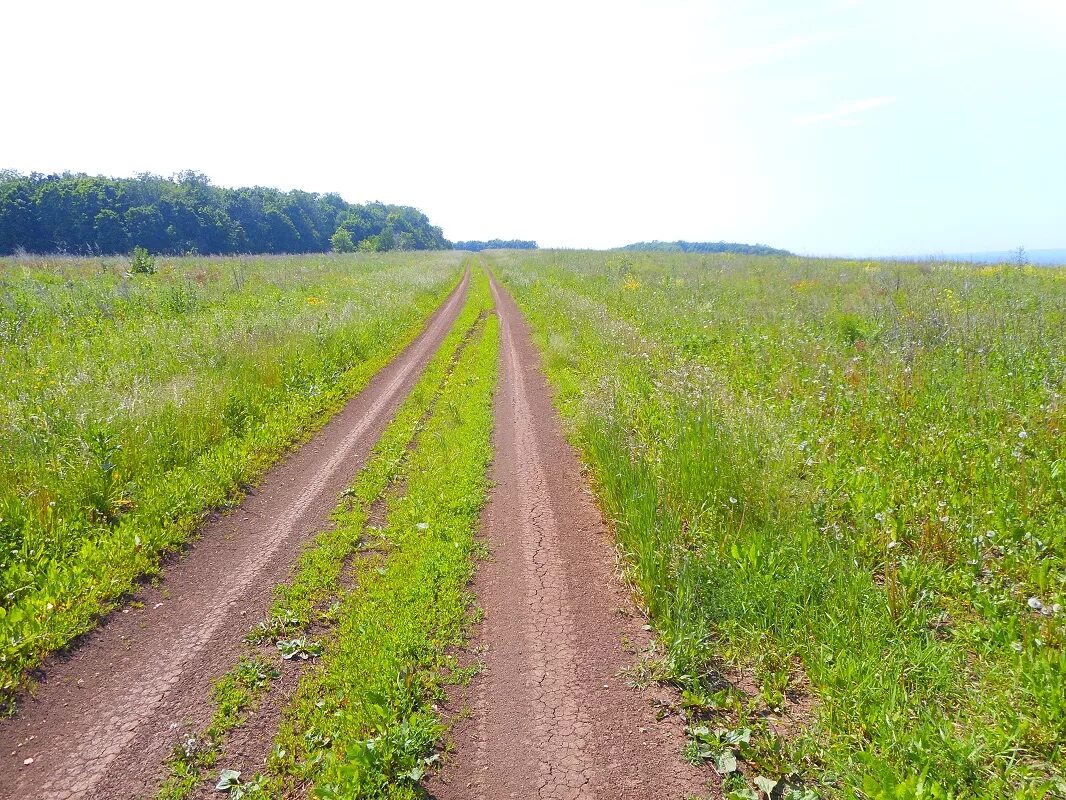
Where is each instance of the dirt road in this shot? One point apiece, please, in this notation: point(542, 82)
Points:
point(551, 717)
point(107, 715)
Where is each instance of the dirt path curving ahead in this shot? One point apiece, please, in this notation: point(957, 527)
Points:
point(551, 717)
point(107, 715)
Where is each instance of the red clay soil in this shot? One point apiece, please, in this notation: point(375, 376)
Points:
point(106, 715)
point(551, 715)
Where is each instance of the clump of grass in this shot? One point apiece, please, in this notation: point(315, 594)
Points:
point(234, 694)
point(129, 407)
point(837, 478)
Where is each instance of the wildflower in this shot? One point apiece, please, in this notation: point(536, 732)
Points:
point(1023, 435)
point(733, 500)
point(1035, 604)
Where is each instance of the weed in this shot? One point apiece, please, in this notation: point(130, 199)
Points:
point(299, 648)
point(142, 262)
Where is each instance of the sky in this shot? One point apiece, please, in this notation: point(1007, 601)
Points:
point(894, 127)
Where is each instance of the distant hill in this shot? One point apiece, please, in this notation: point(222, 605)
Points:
point(707, 247)
point(496, 244)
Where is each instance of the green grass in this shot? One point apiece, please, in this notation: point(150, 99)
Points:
point(362, 722)
point(837, 480)
point(307, 606)
point(234, 694)
point(131, 405)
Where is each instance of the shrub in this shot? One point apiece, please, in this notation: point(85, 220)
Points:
point(142, 262)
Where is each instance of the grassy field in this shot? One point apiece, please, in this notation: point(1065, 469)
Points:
point(841, 488)
point(130, 404)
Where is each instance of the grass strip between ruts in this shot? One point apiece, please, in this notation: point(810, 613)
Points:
point(362, 722)
point(317, 575)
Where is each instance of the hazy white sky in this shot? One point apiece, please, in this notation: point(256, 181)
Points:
point(888, 127)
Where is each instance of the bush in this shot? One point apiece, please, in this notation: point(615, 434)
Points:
point(142, 262)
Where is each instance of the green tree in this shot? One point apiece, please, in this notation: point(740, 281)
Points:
point(80, 213)
point(146, 228)
point(111, 236)
point(341, 241)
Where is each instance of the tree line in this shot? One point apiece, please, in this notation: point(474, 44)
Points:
point(84, 214)
point(707, 247)
point(497, 244)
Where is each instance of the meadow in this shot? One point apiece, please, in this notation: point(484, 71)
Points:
point(131, 404)
point(840, 491)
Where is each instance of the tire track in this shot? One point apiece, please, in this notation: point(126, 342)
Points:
point(551, 717)
point(247, 747)
point(106, 716)
point(559, 731)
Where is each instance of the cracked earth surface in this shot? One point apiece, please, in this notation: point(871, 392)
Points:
point(105, 716)
point(550, 715)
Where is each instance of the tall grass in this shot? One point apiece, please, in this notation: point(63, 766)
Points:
point(131, 404)
point(840, 485)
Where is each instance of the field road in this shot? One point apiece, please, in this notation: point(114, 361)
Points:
point(550, 716)
point(108, 714)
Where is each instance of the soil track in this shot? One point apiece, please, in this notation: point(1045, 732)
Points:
point(551, 715)
point(106, 715)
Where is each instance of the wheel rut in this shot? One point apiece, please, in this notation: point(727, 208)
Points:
point(106, 715)
point(551, 716)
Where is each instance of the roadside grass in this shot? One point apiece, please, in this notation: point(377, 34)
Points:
point(841, 490)
point(130, 405)
point(310, 604)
